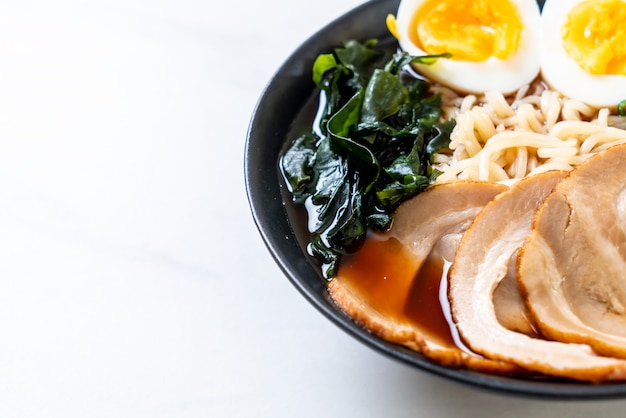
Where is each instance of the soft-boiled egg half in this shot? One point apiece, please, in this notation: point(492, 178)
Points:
point(584, 50)
point(494, 44)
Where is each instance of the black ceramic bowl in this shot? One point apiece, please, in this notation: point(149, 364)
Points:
point(286, 106)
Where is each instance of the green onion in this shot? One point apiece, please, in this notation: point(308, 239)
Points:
point(621, 108)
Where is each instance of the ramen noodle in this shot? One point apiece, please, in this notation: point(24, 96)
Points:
point(503, 139)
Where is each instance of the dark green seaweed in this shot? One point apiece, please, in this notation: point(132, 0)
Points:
point(378, 127)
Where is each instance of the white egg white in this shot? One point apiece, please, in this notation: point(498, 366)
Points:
point(493, 74)
point(562, 73)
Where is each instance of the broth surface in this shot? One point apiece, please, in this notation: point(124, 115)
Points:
point(386, 275)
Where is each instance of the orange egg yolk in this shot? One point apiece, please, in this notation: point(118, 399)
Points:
point(594, 35)
point(470, 30)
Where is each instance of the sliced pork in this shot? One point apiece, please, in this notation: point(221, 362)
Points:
point(483, 262)
point(392, 285)
point(572, 270)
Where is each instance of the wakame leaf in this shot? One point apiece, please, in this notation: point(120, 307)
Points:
point(349, 230)
point(380, 221)
point(325, 254)
point(385, 129)
point(332, 210)
point(343, 122)
point(403, 171)
point(362, 59)
point(296, 163)
point(401, 60)
point(397, 192)
point(384, 96)
point(417, 89)
point(377, 129)
point(340, 126)
point(331, 97)
point(441, 140)
point(407, 174)
point(331, 171)
point(428, 111)
point(359, 56)
point(322, 64)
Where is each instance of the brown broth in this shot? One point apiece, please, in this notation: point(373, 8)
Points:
point(390, 280)
point(424, 303)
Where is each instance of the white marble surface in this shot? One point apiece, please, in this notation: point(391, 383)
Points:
point(133, 282)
